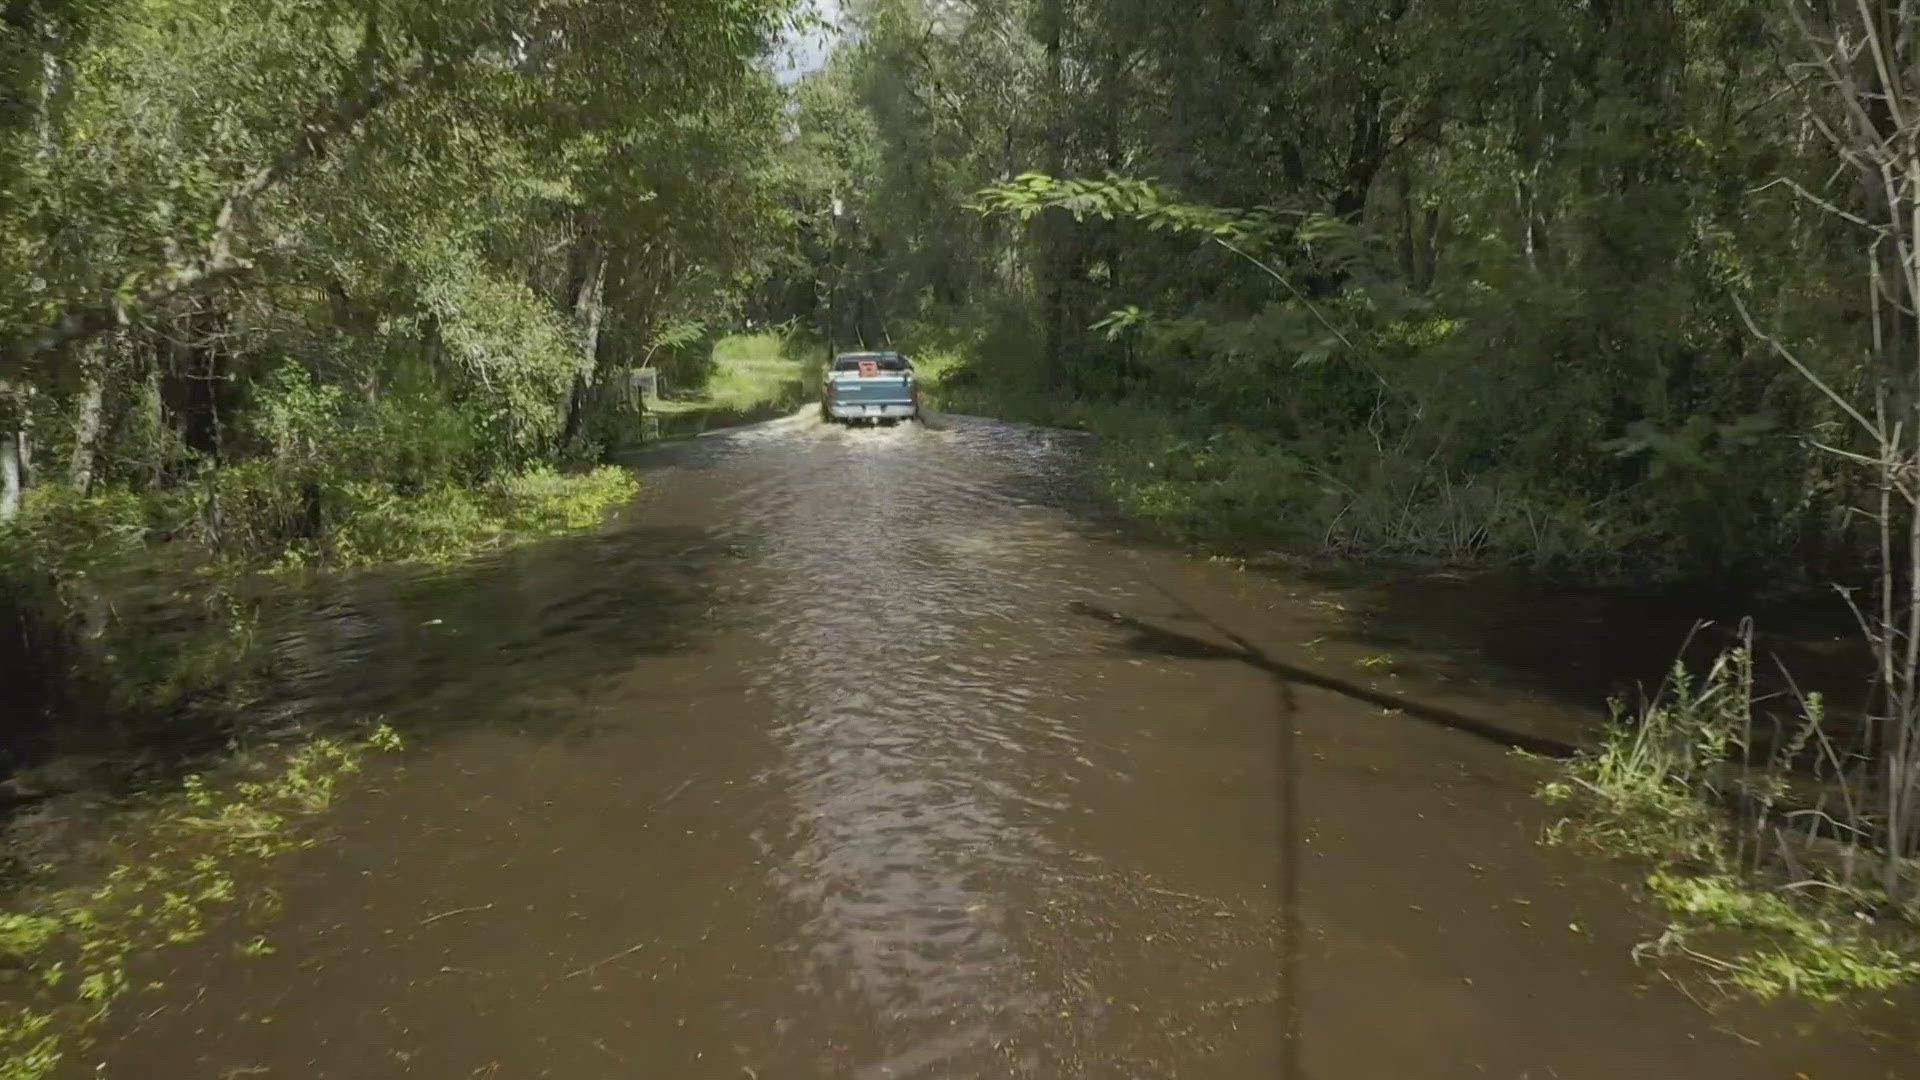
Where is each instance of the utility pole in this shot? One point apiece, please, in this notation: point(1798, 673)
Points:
point(836, 268)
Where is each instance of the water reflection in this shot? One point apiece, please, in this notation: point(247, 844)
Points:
point(895, 593)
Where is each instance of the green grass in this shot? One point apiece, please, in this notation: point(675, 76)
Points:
point(1231, 489)
point(1196, 469)
point(1657, 792)
point(751, 372)
point(933, 365)
point(448, 523)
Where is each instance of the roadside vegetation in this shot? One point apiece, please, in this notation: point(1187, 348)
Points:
point(1613, 295)
point(751, 376)
point(1758, 832)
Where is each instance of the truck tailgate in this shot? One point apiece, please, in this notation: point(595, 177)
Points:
point(884, 388)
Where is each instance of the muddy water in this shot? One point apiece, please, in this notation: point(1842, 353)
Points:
point(873, 754)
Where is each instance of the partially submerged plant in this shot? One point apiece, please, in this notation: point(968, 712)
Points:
point(1821, 953)
point(1741, 837)
point(68, 954)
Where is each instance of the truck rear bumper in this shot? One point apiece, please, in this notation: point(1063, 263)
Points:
point(873, 411)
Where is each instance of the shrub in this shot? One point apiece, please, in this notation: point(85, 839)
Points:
point(1686, 785)
point(376, 524)
point(544, 502)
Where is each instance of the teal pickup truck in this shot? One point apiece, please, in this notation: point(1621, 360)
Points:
point(869, 387)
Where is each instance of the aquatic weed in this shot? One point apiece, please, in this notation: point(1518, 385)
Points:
point(69, 952)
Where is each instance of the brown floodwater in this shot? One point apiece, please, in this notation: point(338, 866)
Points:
point(880, 754)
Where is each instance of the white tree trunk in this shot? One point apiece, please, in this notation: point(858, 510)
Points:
point(86, 427)
point(588, 309)
point(10, 478)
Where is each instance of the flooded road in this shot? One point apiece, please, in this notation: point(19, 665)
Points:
point(876, 754)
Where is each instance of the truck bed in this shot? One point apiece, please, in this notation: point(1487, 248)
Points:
point(883, 395)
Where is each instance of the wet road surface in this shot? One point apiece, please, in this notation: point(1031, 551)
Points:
point(875, 754)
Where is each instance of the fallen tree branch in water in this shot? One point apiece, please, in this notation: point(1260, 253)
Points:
point(456, 911)
point(1150, 638)
point(623, 953)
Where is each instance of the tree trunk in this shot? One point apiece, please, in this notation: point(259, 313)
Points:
point(576, 412)
point(52, 92)
point(434, 346)
point(16, 419)
point(153, 419)
point(587, 308)
point(1366, 154)
point(1053, 223)
point(1409, 260)
point(86, 425)
point(340, 305)
point(200, 373)
point(587, 286)
point(1113, 140)
point(1430, 249)
point(10, 479)
point(1523, 196)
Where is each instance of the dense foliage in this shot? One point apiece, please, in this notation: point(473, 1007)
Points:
point(392, 241)
point(286, 282)
point(1474, 293)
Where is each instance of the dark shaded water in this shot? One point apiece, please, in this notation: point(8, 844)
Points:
point(871, 754)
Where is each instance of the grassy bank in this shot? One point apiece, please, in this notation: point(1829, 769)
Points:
point(1753, 824)
point(755, 376)
point(1363, 471)
point(1192, 480)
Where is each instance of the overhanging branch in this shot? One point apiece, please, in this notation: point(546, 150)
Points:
point(219, 262)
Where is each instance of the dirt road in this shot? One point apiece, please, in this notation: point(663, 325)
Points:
point(875, 754)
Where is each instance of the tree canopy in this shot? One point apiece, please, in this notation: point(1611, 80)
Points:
point(1502, 240)
point(433, 230)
